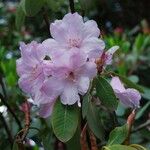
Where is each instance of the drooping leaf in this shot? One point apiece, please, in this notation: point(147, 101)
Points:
point(20, 17)
point(32, 7)
point(106, 93)
point(118, 135)
point(129, 83)
point(93, 120)
point(64, 121)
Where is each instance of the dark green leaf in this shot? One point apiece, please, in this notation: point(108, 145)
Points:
point(118, 135)
point(85, 104)
point(20, 17)
point(106, 93)
point(142, 110)
point(94, 121)
point(74, 143)
point(64, 121)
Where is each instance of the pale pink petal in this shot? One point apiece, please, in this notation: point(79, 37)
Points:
point(74, 24)
point(91, 29)
point(46, 109)
point(70, 95)
point(117, 84)
point(58, 31)
point(52, 87)
point(93, 47)
point(89, 70)
point(130, 98)
point(83, 85)
point(53, 48)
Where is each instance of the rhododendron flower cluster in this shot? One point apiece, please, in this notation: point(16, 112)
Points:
point(64, 65)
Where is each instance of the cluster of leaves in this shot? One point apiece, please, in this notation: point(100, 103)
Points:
point(98, 105)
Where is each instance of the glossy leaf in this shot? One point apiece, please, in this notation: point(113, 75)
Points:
point(106, 93)
point(64, 121)
point(118, 135)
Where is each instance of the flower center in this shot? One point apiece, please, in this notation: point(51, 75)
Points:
point(74, 42)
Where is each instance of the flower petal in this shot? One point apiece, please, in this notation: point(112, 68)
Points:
point(91, 29)
point(93, 47)
point(130, 98)
point(46, 109)
point(83, 85)
point(117, 84)
point(70, 95)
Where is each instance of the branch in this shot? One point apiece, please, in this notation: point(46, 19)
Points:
point(22, 134)
point(71, 4)
point(83, 138)
point(93, 141)
point(146, 124)
point(10, 110)
point(7, 129)
point(130, 122)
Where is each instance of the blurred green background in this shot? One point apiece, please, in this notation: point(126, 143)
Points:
point(124, 23)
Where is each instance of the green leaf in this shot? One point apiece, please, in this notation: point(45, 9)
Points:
point(142, 110)
point(118, 135)
point(106, 93)
point(85, 104)
point(118, 147)
point(129, 83)
point(64, 121)
point(32, 7)
point(93, 120)
point(74, 143)
point(20, 17)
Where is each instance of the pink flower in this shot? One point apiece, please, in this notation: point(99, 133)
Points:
point(71, 32)
point(129, 97)
point(71, 76)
